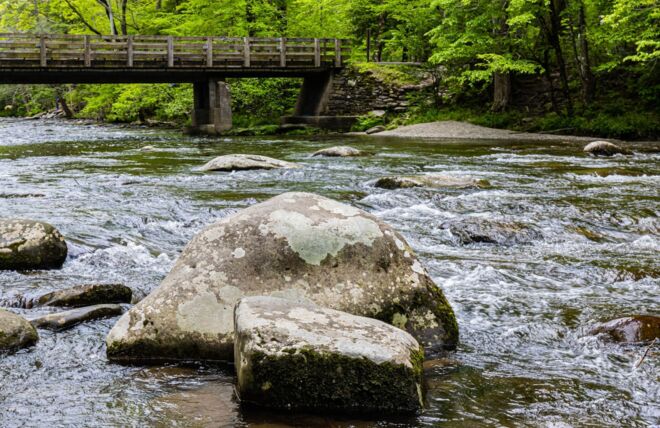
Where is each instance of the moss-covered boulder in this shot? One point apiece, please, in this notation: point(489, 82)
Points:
point(240, 162)
point(297, 356)
point(297, 245)
point(479, 230)
point(15, 332)
point(28, 244)
point(339, 151)
point(633, 329)
point(603, 148)
point(431, 180)
point(84, 295)
point(68, 319)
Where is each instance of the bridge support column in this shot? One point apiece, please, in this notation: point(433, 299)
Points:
point(314, 94)
point(212, 107)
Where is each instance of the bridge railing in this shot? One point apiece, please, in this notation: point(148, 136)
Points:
point(92, 51)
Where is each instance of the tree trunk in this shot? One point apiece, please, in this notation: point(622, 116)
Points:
point(588, 81)
point(65, 107)
point(555, 28)
point(501, 91)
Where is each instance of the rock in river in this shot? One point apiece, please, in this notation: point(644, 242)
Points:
point(603, 148)
point(299, 246)
point(28, 244)
point(478, 230)
point(68, 319)
point(298, 356)
point(15, 332)
point(633, 329)
point(339, 151)
point(84, 295)
point(430, 180)
point(245, 162)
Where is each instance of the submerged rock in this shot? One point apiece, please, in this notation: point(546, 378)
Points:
point(28, 244)
point(477, 230)
point(15, 332)
point(603, 148)
point(431, 180)
point(245, 162)
point(375, 130)
point(297, 356)
point(297, 245)
point(68, 319)
point(84, 295)
point(633, 329)
point(339, 151)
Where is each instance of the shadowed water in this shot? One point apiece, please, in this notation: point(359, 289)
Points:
point(523, 310)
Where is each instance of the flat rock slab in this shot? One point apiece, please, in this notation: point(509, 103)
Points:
point(15, 332)
point(339, 151)
point(241, 162)
point(28, 244)
point(84, 295)
point(483, 231)
point(68, 319)
point(298, 356)
point(299, 246)
point(633, 329)
point(430, 180)
point(604, 148)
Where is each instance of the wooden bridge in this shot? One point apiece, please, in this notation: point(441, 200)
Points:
point(203, 61)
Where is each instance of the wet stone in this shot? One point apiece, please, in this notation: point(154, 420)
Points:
point(375, 130)
point(430, 180)
point(482, 231)
point(28, 244)
point(633, 329)
point(15, 332)
point(84, 295)
point(240, 162)
point(68, 319)
point(339, 151)
point(298, 356)
point(603, 148)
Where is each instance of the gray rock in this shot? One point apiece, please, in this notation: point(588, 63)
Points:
point(633, 329)
point(477, 230)
point(84, 295)
point(297, 245)
point(377, 113)
point(297, 356)
point(430, 180)
point(15, 332)
point(339, 151)
point(68, 319)
point(375, 130)
point(28, 244)
point(241, 162)
point(603, 148)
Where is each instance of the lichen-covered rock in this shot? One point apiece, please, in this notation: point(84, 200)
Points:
point(15, 332)
point(299, 356)
point(299, 246)
point(339, 151)
point(603, 148)
point(84, 295)
point(430, 180)
point(241, 162)
point(28, 244)
point(478, 230)
point(633, 329)
point(68, 319)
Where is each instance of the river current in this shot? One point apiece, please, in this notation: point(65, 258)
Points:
point(525, 357)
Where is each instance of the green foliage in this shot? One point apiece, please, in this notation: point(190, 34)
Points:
point(390, 74)
point(367, 121)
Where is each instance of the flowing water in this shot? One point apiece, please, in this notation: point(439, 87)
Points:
point(523, 310)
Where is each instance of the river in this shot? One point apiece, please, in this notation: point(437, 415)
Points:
point(523, 310)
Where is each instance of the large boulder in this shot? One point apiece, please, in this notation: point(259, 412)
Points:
point(603, 148)
point(430, 180)
point(478, 230)
point(339, 151)
point(241, 162)
point(297, 245)
point(84, 295)
point(297, 356)
point(15, 332)
point(633, 329)
point(73, 317)
point(28, 244)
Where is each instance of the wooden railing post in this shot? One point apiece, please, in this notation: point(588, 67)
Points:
point(246, 51)
point(209, 51)
point(282, 52)
point(170, 51)
point(42, 51)
point(337, 53)
point(129, 52)
point(88, 52)
point(317, 53)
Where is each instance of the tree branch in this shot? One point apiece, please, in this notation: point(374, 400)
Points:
point(82, 18)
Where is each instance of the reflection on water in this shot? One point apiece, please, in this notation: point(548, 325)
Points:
point(523, 309)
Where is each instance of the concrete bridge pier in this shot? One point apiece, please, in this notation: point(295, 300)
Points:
point(212, 107)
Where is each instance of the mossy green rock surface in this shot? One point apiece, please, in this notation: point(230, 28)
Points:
point(430, 180)
point(84, 295)
point(299, 246)
point(298, 356)
point(67, 319)
point(479, 230)
point(28, 244)
point(15, 332)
